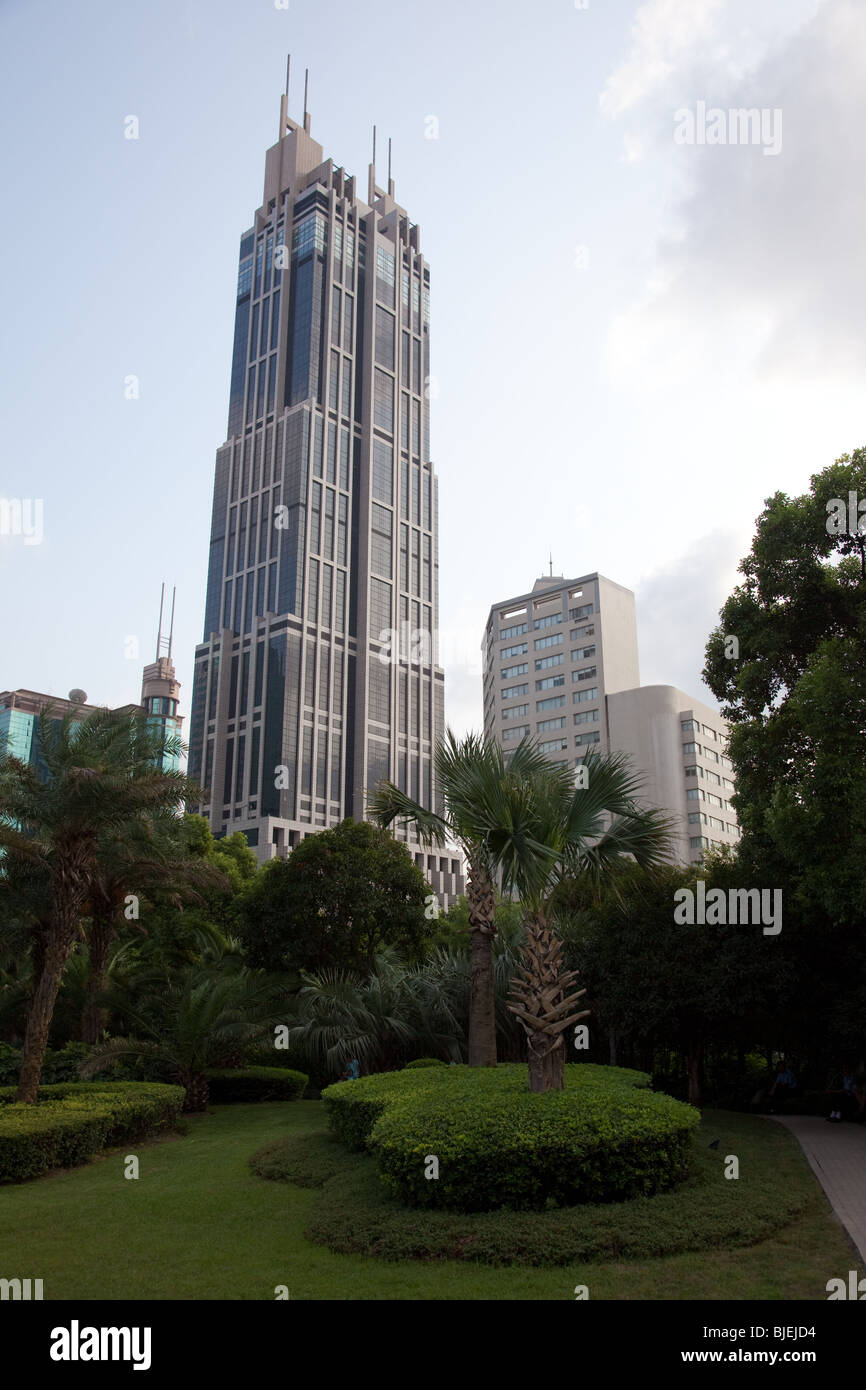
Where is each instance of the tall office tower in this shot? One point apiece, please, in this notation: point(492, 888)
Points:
point(551, 656)
point(324, 528)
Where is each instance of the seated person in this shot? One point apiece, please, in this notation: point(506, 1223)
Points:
point(845, 1096)
point(784, 1084)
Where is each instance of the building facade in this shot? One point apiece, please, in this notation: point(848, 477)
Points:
point(560, 666)
point(317, 676)
point(677, 746)
point(549, 659)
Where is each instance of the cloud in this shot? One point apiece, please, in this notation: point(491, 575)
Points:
point(758, 272)
point(678, 607)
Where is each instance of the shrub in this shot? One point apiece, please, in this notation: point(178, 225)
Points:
point(58, 1064)
point(426, 1062)
point(71, 1122)
point(605, 1138)
point(255, 1083)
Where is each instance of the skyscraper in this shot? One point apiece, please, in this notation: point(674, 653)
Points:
point(324, 527)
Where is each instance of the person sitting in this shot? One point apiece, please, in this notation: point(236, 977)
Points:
point(784, 1085)
point(352, 1071)
point(846, 1098)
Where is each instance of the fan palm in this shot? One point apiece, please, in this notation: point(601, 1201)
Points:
point(587, 830)
point(96, 776)
point(487, 811)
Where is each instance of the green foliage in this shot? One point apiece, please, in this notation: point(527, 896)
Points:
point(70, 1123)
point(307, 1160)
point(255, 1083)
point(605, 1137)
point(60, 1064)
point(354, 1213)
point(342, 895)
point(424, 1062)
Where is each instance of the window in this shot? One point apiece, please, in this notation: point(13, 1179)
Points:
point(553, 641)
point(712, 733)
point(546, 724)
point(589, 716)
point(587, 674)
point(515, 712)
point(690, 726)
point(580, 696)
point(553, 745)
point(728, 783)
point(552, 702)
point(514, 691)
point(519, 649)
point(694, 771)
point(384, 338)
point(726, 762)
point(696, 794)
point(546, 661)
point(577, 634)
point(587, 738)
point(713, 799)
point(383, 470)
point(550, 682)
point(699, 842)
point(582, 612)
point(517, 733)
point(714, 777)
point(385, 266)
point(551, 620)
point(510, 671)
point(697, 818)
point(516, 631)
point(716, 823)
point(711, 754)
point(383, 402)
point(583, 654)
point(691, 748)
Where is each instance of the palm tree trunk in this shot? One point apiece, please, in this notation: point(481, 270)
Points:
point(40, 1014)
point(482, 999)
point(542, 1004)
point(93, 1017)
point(197, 1094)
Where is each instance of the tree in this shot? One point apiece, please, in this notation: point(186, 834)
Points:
point(793, 686)
point(146, 855)
point(580, 832)
point(97, 776)
point(340, 897)
point(485, 811)
point(665, 983)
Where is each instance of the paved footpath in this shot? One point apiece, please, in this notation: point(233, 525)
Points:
point(837, 1156)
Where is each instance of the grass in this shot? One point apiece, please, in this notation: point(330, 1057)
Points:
point(199, 1224)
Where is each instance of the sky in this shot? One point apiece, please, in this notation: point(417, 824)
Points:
point(636, 338)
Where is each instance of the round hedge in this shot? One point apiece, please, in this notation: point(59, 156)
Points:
point(425, 1062)
point(228, 1085)
point(605, 1138)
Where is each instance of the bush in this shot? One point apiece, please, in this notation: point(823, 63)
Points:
point(353, 1214)
point(605, 1138)
point(426, 1062)
point(255, 1083)
point(69, 1123)
point(58, 1064)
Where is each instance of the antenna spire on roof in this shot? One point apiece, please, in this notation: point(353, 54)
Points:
point(306, 84)
point(159, 627)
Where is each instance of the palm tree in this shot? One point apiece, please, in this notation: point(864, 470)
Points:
point(97, 776)
point(140, 855)
point(487, 811)
point(588, 831)
point(184, 1021)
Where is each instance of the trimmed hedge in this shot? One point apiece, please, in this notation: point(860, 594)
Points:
point(425, 1062)
point(353, 1214)
point(255, 1083)
point(605, 1138)
point(71, 1122)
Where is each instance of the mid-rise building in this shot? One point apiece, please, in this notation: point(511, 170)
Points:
point(677, 746)
point(317, 676)
point(551, 656)
point(561, 667)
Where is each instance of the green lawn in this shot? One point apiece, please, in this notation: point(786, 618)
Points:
point(197, 1225)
